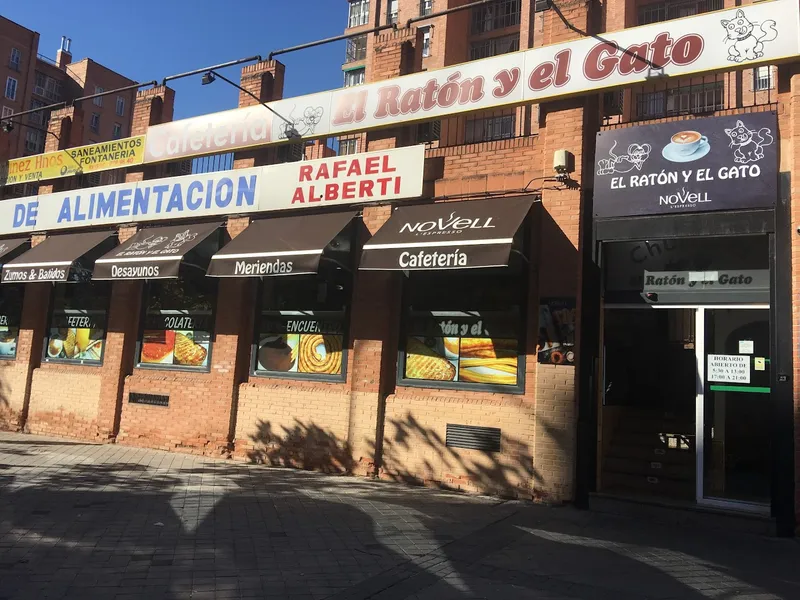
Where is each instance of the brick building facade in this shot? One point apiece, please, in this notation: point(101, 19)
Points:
point(553, 427)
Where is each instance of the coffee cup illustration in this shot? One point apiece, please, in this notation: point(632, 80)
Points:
point(687, 142)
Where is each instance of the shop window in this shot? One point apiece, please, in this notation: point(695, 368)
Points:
point(497, 15)
point(10, 313)
point(493, 47)
point(77, 331)
point(470, 336)
point(178, 323)
point(302, 326)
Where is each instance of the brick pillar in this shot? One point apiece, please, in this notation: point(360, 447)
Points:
point(150, 107)
point(15, 376)
point(563, 124)
point(65, 129)
point(265, 81)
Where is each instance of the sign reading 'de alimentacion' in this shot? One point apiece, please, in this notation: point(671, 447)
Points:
point(728, 368)
point(717, 163)
point(359, 178)
point(762, 33)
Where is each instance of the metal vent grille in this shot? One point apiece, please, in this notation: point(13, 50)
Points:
point(473, 438)
point(152, 399)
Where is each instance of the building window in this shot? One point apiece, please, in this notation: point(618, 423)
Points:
point(665, 11)
point(429, 132)
point(47, 87)
point(14, 59)
point(698, 99)
point(493, 47)
point(391, 12)
point(359, 13)
point(78, 323)
point(762, 78)
point(10, 313)
point(426, 41)
point(7, 112)
point(425, 7)
point(487, 129)
point(356, 49)
point(117, 133)
point(179, 322)
point(470, 335)
point(39, 118)
point(349, 146)
point(302, 324)
point(120, 106)
point(503, 13)
point(94, 123)
point(34, 141)
point(11, 88)
point(354, 77)
point(98, 101)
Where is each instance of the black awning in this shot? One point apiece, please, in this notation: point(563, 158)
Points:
point(282, 246)
point(153, 253)
point(66, 257)
point(450, 235)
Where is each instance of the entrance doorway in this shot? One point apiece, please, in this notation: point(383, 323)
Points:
point(685, 404)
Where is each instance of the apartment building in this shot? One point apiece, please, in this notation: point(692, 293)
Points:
point(564, 273)
point(31, 80)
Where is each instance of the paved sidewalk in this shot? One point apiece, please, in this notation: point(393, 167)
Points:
point(99, 522)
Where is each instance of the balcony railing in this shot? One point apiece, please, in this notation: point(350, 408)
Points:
point(696, 96)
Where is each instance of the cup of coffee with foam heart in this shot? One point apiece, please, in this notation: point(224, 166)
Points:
point(685, 143)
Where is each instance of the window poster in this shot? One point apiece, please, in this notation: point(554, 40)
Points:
point(556, 344)
point(10, 312)
point(463, 346)
point(176, 338)
point(308, 342)
point(76, 335)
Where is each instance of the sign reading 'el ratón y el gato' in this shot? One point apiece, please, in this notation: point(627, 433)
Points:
point(697, 165)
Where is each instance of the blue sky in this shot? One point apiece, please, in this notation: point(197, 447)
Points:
point(150, 39)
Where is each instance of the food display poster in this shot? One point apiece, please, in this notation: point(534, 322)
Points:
point(77, 335)
point(467, 347)
point(9, 331)
point(301, 342)
point(176, 338)
point(556, 344)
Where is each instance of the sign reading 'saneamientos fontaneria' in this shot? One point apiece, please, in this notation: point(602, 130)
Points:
point(738, 37)
point(359, 178)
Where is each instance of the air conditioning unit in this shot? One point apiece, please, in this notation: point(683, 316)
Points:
point(542, 5)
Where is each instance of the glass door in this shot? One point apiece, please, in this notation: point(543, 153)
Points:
point(733, 408)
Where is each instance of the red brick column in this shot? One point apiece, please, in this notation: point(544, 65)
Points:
point(15, 376)
point(265, 81)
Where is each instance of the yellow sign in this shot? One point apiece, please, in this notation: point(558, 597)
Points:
point(115, 154)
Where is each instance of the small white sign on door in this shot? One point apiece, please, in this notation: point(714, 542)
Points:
point(728, 368)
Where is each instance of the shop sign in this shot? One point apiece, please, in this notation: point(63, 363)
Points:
point(701, 281)
point(761, 33)
point(698, 165)
point(370, 177)
point(105, 156)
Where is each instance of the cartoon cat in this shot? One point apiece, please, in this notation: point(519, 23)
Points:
point(748, 149)
point(748, 40)
point(634, 159)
